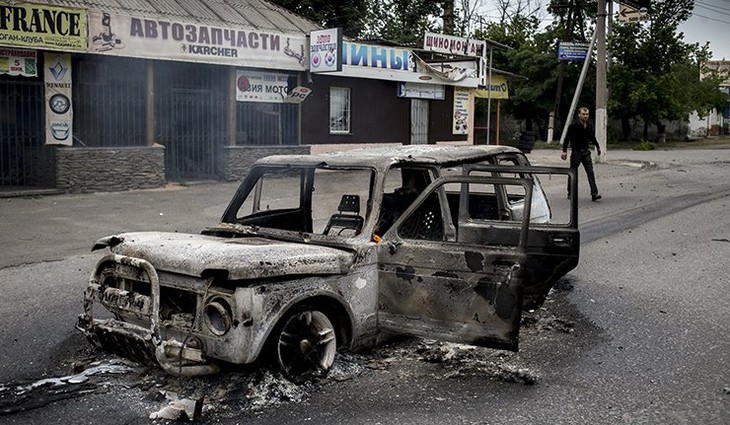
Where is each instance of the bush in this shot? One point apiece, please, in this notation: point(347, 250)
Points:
point(644, 146)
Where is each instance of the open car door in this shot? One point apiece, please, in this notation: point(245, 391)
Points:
point(553, 242)
point(446, 274)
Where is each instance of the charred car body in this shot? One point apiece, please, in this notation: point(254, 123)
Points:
point(336, 250)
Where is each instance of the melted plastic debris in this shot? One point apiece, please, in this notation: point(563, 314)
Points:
point(26, 396)
point(180, 410)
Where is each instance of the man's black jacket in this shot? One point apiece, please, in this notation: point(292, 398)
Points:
point(580, 137)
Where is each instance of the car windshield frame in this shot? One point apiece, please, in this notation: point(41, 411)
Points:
point(312, 181)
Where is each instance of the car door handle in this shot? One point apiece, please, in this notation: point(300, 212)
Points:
point(560, 240)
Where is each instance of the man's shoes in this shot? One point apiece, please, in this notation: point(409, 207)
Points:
point(596, 197)
point(568, 195)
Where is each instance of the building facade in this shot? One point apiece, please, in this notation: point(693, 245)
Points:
point(112, 95)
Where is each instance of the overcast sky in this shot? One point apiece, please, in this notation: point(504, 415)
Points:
point(710, 21)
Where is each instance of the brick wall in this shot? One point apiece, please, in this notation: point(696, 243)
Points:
point(87, 169)
point(239, 159)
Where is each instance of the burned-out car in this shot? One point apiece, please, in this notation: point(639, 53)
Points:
point(317, 252)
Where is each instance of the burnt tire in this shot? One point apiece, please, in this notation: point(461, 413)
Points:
point(305, 345)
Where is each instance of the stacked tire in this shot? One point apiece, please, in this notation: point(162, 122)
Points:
point(526, 141)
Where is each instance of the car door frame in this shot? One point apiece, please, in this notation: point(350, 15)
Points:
point(465, 293)
point(550, 246)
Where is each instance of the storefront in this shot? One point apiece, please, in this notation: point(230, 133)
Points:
point(94, 97)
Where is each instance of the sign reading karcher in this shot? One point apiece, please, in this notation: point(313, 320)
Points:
point(497, 90)
point(36, 25)
point(59, 113)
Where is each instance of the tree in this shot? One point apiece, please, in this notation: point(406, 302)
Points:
point(403, 21)
point(346, 14)
point(533, 57)
point(571, 24)
point(654, 75)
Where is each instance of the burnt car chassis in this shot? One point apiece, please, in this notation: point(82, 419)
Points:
point(457, 262)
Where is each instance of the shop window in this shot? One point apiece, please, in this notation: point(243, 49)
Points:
point(339, 110)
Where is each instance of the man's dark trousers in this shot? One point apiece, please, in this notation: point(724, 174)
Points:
point(578, 157)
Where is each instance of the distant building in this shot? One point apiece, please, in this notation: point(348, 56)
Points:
point(716, 122)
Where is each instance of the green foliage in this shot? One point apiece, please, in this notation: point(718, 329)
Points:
point(347, 14)
point(534, 58)
point(401, 21)
point(644, 146)
point(654, 74)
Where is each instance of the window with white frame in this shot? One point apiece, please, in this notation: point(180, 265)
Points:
point(339, 110)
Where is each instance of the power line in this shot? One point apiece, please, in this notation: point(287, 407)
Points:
point(712, 19)
point(713, 8)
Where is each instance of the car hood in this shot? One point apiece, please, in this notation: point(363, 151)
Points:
point(243, 258)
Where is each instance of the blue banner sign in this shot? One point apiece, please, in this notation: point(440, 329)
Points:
point(572, 50)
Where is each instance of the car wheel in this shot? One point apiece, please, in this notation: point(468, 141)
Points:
point(306, 345)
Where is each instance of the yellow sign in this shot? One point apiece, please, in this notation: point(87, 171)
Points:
point(499, 89)
point(42, 26)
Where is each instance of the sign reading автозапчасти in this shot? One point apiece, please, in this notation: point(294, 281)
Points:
point(123, 35)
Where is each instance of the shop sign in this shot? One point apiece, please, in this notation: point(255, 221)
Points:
point(377, 57)
point(421, 91)
point(19, 62)
point(261, 87)
point(42, 26)
point(324, 45)
point(497, 90)
point(393, 64)
point(297, 94)
point(59, 110)
point(449, 44)
point(132, 36)
point(461, 111)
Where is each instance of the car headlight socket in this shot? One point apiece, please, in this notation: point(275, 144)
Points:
point(218, 316)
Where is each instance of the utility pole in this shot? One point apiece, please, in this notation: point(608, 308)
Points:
point(567, 32)
point(601, 80)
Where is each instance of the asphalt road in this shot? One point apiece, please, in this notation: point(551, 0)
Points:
point(636, 334)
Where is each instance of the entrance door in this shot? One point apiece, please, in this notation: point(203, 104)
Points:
point(192, 152)
point(436, 282)
point(419, 121)
point(24, 161)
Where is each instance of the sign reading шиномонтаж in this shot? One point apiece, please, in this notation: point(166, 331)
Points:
point(442, 43)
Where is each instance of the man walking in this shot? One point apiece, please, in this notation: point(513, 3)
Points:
point(580, 134)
